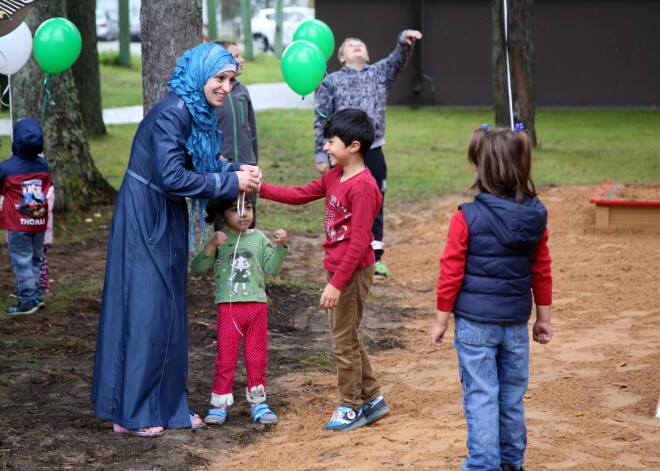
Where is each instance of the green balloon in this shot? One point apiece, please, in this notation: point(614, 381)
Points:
point(303, 67)
point(57, 45)
point(318, 33)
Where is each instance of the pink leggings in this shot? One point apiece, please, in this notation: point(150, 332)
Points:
point(236, 321)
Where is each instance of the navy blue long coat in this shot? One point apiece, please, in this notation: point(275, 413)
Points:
point(141, 366)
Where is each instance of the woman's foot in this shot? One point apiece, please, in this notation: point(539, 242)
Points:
point(196, 421)
point(140, 432)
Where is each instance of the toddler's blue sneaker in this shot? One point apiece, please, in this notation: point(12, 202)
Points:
point(345, 419)
point(262, 414)
point(375, 410)
point(217, 416)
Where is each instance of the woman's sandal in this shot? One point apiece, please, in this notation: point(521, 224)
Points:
point(137, 432)
point(194, 416)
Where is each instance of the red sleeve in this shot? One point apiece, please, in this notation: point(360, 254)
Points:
point(293, 194)
point(541, 273)
point(364, 208)
point(452, 262)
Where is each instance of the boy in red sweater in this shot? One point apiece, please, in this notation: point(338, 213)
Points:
point(352, 203)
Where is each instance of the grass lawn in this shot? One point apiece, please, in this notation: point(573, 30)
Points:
point(426, 153)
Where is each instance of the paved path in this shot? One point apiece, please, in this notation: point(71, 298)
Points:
point(265, 96)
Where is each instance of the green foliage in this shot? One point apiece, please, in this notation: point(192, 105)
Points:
point(263, 69)
point(120, 86)
point(426, 153)
point(111, 151)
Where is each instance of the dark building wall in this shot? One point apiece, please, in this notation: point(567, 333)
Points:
point(588, 53)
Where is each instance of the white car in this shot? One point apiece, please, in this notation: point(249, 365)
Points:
point(263, 26)
point(107, 28)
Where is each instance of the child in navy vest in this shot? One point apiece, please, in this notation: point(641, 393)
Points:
point(496, 257)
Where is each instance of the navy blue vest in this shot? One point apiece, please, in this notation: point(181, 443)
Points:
point(498, 270)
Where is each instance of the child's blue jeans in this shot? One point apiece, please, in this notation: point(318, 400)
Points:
point(25, 250)
point(493, 364)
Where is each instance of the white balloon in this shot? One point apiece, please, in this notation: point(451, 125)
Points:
point(15, 49)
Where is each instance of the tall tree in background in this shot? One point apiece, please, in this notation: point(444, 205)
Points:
point(521, 59)
point(86, 68)
point(168, 30)
point(77, 181)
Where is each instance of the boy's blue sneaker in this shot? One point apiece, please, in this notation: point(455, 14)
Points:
point(345, 419)
point(375, 410)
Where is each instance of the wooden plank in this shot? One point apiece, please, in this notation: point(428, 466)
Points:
point(634, 216)
point(602, 215)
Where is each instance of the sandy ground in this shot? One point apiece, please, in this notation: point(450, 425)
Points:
point(593, 390)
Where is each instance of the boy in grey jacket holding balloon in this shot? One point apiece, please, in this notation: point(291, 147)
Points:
point(361, 85)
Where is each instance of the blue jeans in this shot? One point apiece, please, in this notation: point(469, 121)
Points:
point(493, 364)
point(25, 250)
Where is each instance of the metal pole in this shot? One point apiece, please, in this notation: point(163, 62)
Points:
point(211, 10)
point(246, 14)
point(279, 20)
point(124, 35)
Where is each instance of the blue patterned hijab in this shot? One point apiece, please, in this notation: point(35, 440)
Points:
point(191, 73)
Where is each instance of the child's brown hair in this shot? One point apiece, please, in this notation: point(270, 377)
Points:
point(502, 160)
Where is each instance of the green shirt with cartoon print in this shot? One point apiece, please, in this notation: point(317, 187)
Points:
point(239, 272)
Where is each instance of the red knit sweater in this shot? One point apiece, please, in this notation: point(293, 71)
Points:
point(350, 209)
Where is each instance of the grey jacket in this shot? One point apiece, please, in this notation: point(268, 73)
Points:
point(237, 122)
point(365, 89)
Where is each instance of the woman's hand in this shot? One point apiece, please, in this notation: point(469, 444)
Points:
point(246, 181)
point(253, 170)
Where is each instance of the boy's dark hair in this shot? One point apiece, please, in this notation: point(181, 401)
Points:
point(351, 125)
point(216, 207)
point(503, 162)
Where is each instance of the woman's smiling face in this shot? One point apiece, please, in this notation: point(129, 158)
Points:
point(218, 87)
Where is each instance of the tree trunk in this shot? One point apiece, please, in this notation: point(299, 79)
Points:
point(521, 60)
point(86, 68)
point(168, 30)
point(78, 184)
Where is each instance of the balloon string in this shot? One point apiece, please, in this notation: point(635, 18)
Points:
point(46, 98)
point(508, 66)
point(279, 120)
point(2, 100)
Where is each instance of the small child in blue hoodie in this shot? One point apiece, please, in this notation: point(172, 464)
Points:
point(24, 184)
point(496, 257)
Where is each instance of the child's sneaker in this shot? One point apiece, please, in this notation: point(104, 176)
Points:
point(381, 270)
point(345, 419)
point(216, 416)
point(28, 307)
point(375, 410)
point(262, 414)
point(509, 467)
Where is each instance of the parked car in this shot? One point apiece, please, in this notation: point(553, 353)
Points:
point(107, 28)
point(134, 26)
point(263, 26)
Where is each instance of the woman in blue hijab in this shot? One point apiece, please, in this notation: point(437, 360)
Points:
point(141, 365)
